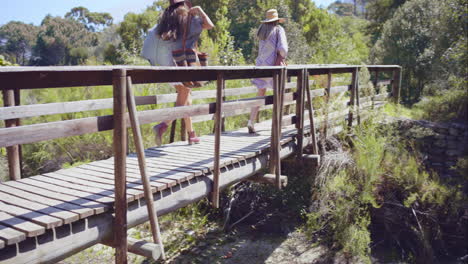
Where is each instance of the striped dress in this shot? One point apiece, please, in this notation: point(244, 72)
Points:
point(267, 53)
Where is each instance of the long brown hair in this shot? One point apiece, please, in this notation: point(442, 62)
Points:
point(266, 29)
point(171, 24)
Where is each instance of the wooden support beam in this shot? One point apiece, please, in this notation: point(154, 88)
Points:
point(183, 130)
point(376, 79)
point(357, 98)
point(327, 104)
point(173, 131)
point(282, 85)
point(311, 159)
point(218, 131)
point(120, 144)
point(311, 114)
point(396, 85)
point(141, 248)
point(275, 148)
point(352, 101)
point(300, 114)
point(145, 249)
point(13, 152)
point(138, 140)
point(269, 179)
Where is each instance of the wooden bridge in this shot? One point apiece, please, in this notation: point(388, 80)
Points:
point(46, 218)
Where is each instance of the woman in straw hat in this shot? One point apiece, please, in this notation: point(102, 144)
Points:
point(273, 49)
point(175, 26)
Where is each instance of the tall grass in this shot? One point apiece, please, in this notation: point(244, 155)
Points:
point(384, 192)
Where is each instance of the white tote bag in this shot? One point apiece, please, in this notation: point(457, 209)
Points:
point(156, 50)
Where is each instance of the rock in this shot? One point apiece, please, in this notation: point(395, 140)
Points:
point(313, 255)
point(453, 144)
point(453, 131)
point(440, 143)
point(453, 153)
point(450, 164)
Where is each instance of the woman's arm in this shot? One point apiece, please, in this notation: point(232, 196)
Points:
point(282, 44)
point(197, 10)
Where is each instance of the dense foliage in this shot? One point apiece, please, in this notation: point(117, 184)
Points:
point(381, 191)
point(351, 200)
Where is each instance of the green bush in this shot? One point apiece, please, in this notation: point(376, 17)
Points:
point(385, 190)
point(449, 105)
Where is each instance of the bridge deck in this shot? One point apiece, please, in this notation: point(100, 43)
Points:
point(36, 205)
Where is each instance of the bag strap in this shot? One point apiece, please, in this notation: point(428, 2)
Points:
point(187, 26)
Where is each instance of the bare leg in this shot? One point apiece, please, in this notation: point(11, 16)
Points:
point(254, 110)
point(184, 99)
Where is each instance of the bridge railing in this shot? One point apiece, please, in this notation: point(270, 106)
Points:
point(15, 79)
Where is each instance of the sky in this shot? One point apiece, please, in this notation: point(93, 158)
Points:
point(33, 11)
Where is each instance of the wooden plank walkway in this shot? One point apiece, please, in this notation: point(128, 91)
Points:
point(33, 206)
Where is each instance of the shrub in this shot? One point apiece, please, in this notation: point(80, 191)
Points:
point(451, 105)
point(386, 193)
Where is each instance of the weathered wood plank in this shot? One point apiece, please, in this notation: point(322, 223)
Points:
point(29, 228)
point(65, 215)
point(78, 187)
point(11, 236)
point(92, 181)
point(82, 211)
point(68, 191)
point(159, 182)
point(35, 217)
point(106, 177)
point(95, 206)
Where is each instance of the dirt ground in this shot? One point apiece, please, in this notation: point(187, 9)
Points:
point(253, 248)
point(241, 247)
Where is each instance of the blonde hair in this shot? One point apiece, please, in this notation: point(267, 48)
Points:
point(266, 29)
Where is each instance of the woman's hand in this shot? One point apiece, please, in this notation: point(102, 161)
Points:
point(196, 10)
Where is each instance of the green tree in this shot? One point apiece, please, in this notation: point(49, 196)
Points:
point(378, 12)
point(134, 27)
point(341, 9)
point(57, 37)
point(17, 41)
point(420, 37)
point(93, 21)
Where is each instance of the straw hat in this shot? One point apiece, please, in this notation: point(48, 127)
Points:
point(272, 15)
point(173, 2)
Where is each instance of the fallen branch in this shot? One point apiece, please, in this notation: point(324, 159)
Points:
point(238, 221)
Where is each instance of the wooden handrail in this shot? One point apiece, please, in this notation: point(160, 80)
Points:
point(18, 78)
point(27, 111)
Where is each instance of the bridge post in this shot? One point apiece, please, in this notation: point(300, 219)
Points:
point(396, 85)
point(218, 131)
point(311, 114)
point(354, 80)
point(11, 98)
point(120, 145)
point(327, 103)
point(275, 145)
point(357, 97)
point(300, 115)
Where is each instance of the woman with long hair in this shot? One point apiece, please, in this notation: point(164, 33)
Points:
point(182, 25)
point(273, 49)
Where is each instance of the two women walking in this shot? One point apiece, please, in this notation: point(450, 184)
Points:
point(178, 32)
